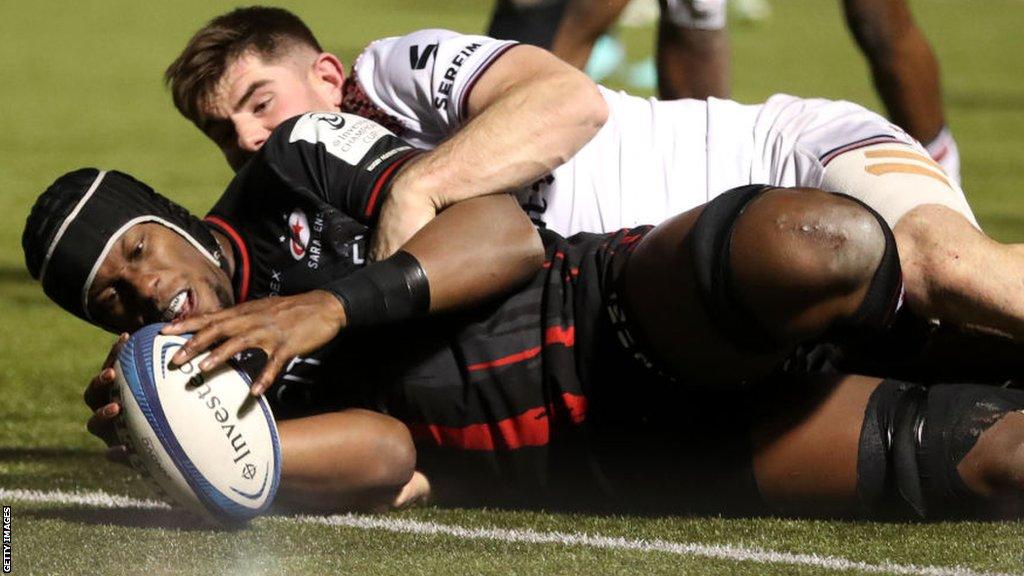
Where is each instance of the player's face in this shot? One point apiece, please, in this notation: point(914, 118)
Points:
point(152, 274)
point(254, 96)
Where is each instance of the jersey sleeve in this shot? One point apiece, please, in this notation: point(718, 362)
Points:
point(424, 79)
point(342, 159)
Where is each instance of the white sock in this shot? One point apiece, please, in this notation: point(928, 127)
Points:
point(943, 150)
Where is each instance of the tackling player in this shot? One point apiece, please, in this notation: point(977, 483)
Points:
point(530, 21)
point(693, 56)
point(505, 117)
point(566, 390)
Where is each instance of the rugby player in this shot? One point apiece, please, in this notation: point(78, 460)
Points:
point(564, 391)
point(530, 21)
point(692, 43)
point(503, 117)
point(693, 56)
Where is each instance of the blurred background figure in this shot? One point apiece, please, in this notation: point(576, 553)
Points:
point(693, 52)
point(530, 21)
point(906, 74)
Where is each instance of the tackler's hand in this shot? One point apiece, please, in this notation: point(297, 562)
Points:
point(401, 216)
point(105, 411)
point(283, 327)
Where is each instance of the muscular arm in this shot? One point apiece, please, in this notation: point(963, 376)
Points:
point(529, 113)
point(352, 459)
point(474, 251)
point(477, 250)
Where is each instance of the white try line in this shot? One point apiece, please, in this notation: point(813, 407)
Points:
point(93, 499)
point(726, 552)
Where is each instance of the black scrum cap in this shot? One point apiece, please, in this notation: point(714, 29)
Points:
point(77, 220)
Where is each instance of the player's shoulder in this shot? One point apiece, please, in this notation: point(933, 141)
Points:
point(425, 35)
point(344, 136)
point(416, 51)
point(418, 46)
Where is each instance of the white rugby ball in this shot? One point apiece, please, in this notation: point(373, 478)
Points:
point(202, 440)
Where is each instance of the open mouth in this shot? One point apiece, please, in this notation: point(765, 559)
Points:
point(180, 307)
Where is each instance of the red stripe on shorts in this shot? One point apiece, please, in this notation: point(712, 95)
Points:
point(530, 428)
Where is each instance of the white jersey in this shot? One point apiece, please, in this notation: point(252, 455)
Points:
point(651, 160)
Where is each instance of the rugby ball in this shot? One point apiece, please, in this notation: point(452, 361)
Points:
point(200, 439)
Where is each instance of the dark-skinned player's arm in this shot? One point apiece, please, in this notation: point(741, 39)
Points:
point(473, 251)
point(348, 460)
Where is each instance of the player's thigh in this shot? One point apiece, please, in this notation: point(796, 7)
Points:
point(664, 306)
point(940, 243)
point(894, 178)
point(723, 292)
point(806, 440)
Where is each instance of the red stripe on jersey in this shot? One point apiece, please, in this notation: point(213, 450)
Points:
point(379, 185)
point(553, 335)
point(243, 289)
point(559, 335)
point(556, 255)
point(576, 406)
point(527, 429)
point(510, 359)
point(531, 428)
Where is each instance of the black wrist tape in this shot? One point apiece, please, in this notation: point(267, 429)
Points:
point(384, 292)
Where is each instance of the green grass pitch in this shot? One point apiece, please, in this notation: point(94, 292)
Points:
point(81, 85)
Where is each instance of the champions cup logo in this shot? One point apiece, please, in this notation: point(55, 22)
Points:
point(298, 232)
point(333, 120)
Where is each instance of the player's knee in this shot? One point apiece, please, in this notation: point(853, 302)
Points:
point(835, 243)
point(810, 243)
point(775, 266)
point(949, 450)
point(996, 464)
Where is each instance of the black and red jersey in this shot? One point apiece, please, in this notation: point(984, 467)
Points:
point(509, 393)
point(299, 212)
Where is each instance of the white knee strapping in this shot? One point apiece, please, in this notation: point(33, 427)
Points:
point(894, 178)
point(700, 14)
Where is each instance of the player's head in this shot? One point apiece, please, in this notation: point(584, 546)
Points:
point(110, 250)
point(247, 71)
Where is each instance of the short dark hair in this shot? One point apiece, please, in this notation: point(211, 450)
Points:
point(268, 32)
